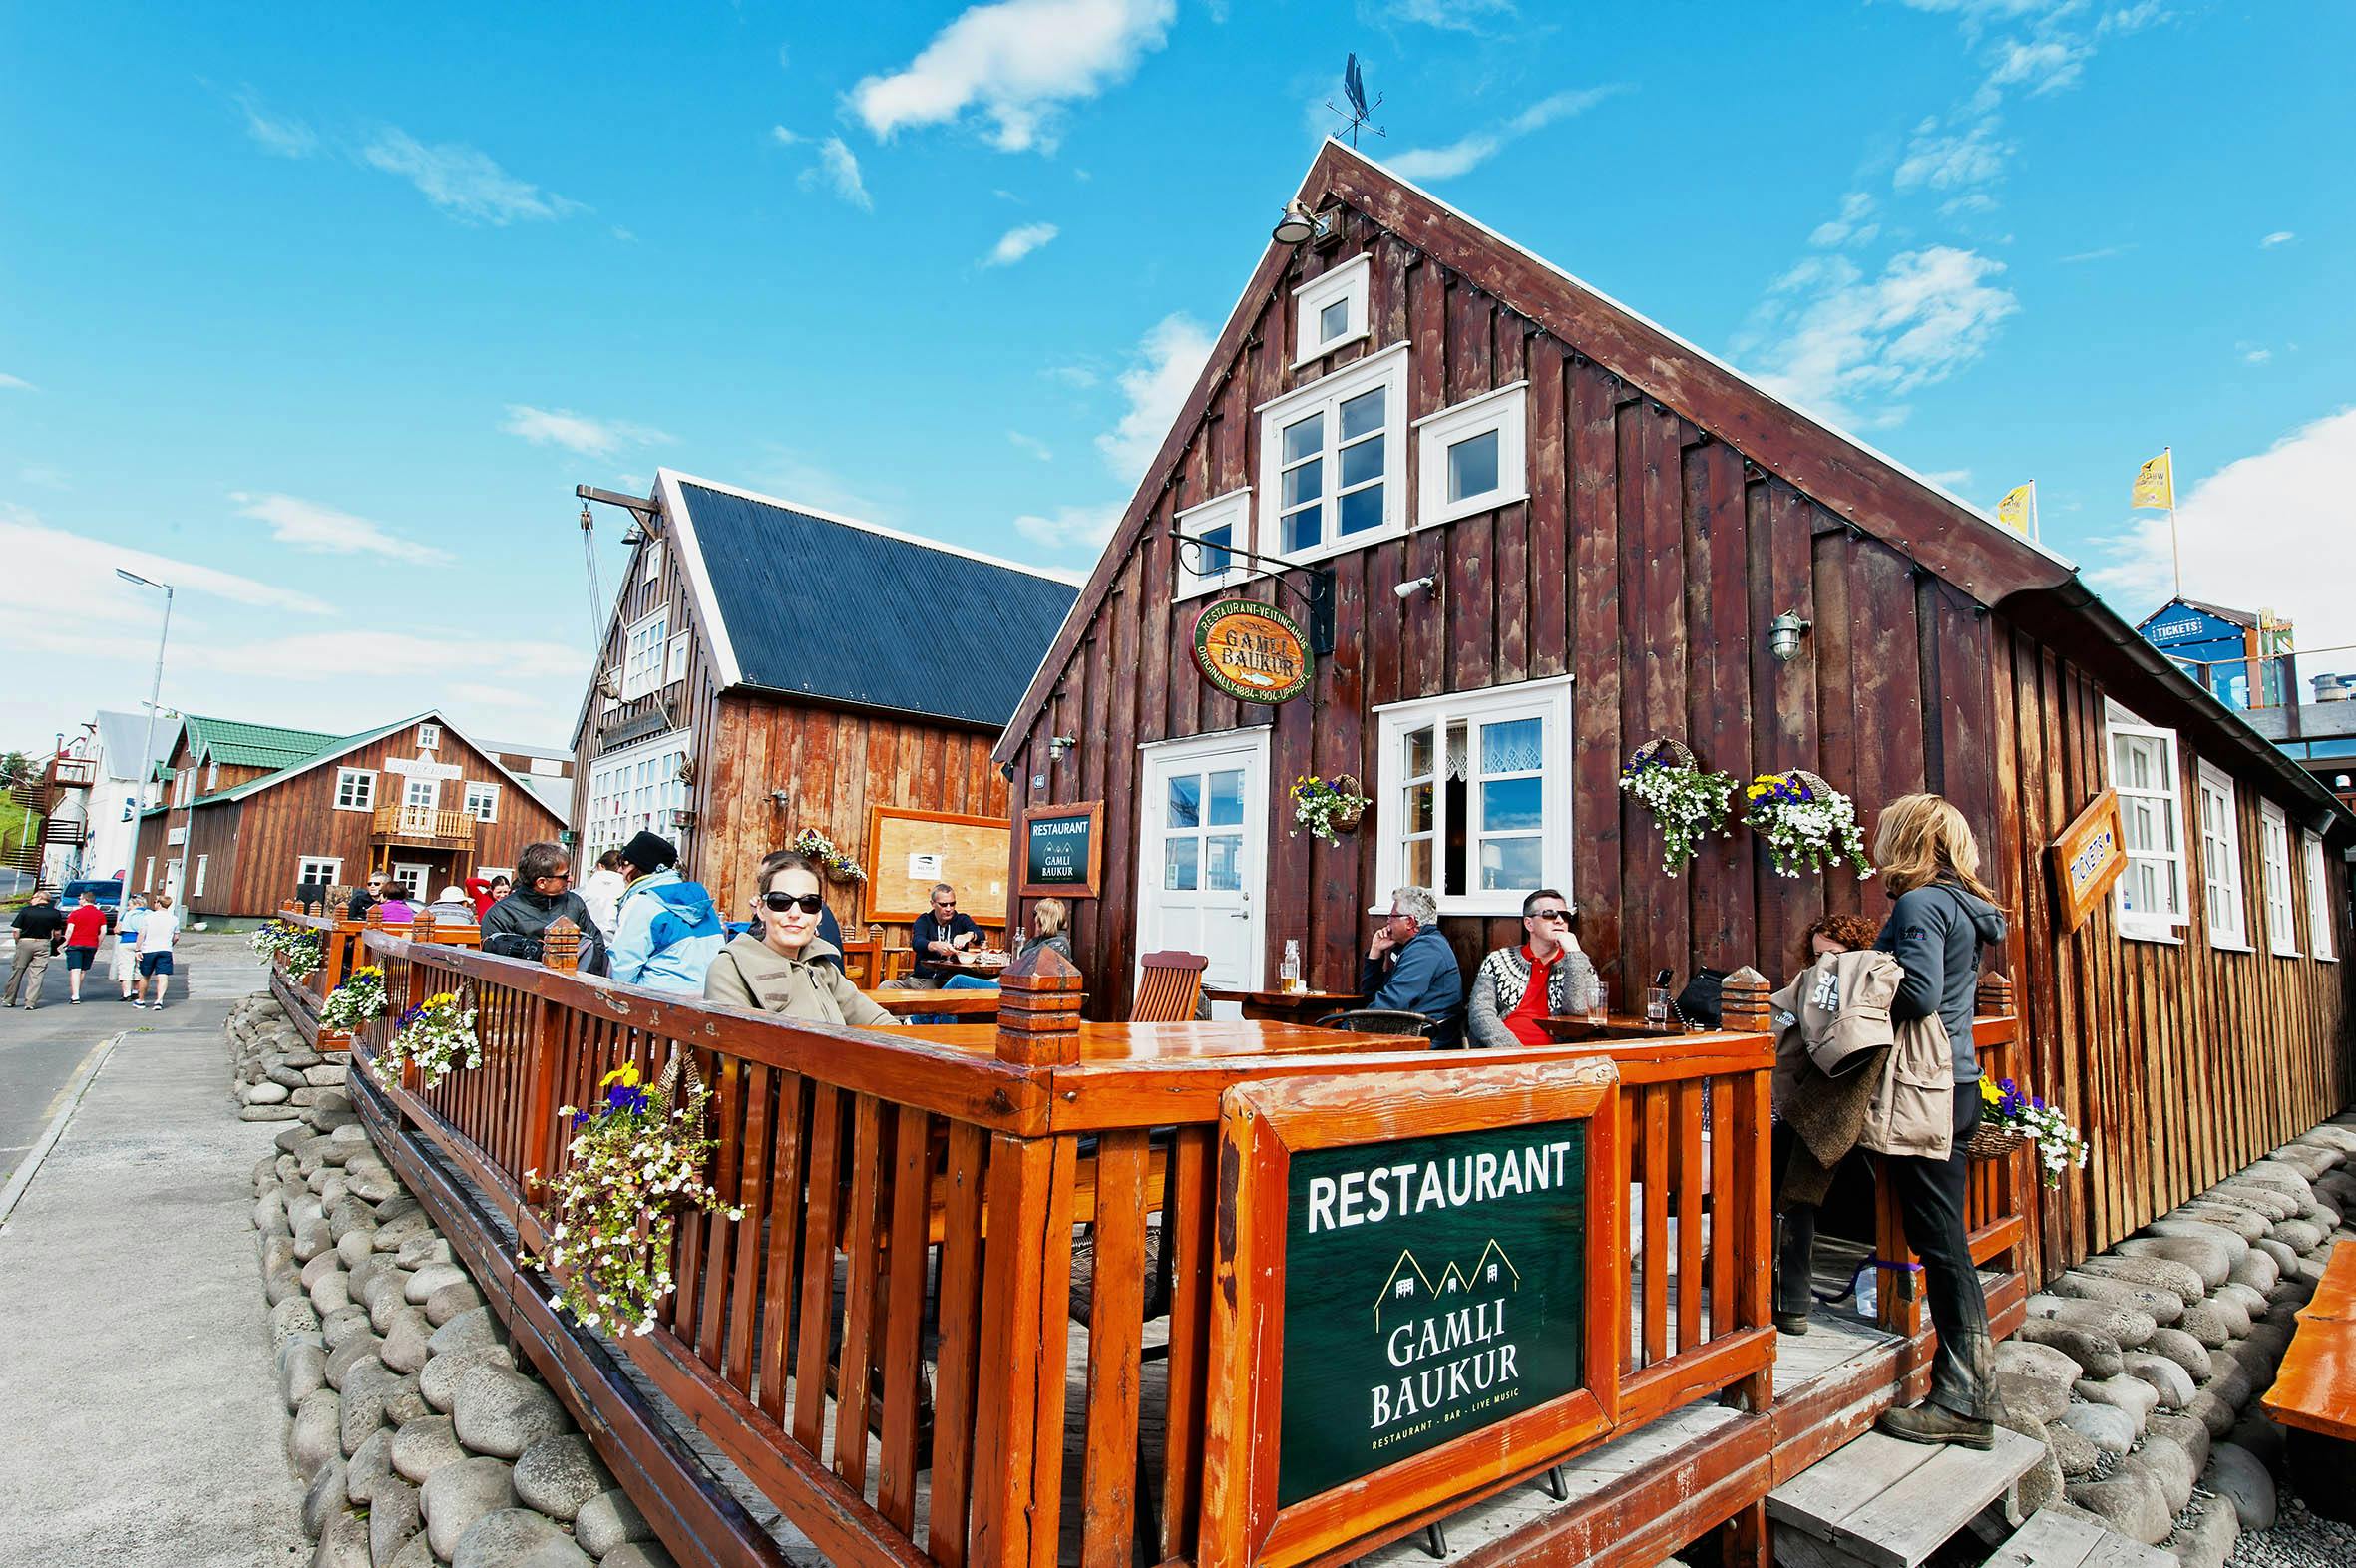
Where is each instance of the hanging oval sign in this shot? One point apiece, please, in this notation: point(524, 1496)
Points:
point(1252, 651)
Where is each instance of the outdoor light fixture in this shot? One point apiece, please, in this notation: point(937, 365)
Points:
point(1784, 635)
point(1296, 224)
point(1059, 744)
point(1413, 586)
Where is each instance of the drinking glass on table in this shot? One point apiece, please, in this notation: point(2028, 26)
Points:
point(1598, 1011)
point(1656, 1006)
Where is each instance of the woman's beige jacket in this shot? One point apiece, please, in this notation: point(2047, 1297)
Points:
point(750, 974)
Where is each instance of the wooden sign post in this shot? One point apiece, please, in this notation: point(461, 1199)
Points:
point(1418, 1292)
point(2088, 857)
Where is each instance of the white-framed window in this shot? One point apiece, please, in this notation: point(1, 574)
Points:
point(1473, 796)
point(635, 789)
point(198, 886)
point(1329, 311)
point(2151, 900)
point(1473, 456)
point(355, 789)
point(482, 802)
point(653, 561)
point(642, 655)
point(184, 784)
point(327, 869)
point(2282, 935)
point(1225, 524)
point(212, 777)
point(1332, 460)
point(2220, 861)
point(548, 767)
point(421, 798)
point(2319, 921)
point(146, 880)
point(429, 737)
point(675, 666)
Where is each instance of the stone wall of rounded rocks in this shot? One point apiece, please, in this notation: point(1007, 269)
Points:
point(2139, 1367)
point(419, 1433)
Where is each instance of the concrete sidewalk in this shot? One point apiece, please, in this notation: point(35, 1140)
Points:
point(138, 1418)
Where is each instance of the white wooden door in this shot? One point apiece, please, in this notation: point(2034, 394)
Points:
point(1203, 853)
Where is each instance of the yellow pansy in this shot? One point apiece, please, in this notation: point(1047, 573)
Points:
point(626, 1075)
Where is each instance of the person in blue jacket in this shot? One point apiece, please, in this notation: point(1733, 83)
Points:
point(666, 930)
point(1411, 966)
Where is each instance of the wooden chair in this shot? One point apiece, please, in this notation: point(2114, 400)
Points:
point(863, 961)
point(897, 962)
point(1377, 1020)
point(1169, 989)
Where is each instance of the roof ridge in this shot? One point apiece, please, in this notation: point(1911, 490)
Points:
point(883, 529)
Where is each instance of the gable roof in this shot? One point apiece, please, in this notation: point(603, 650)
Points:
point(814, 604)
point(2240, 617)
point(242, 745)
point(339, 746)
point(1873, 491)
point(120, 736)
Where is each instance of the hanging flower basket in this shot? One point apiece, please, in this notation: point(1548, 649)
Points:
point(437, 1034)
point(1807, 824)
point(1327, 808)
point(2008, 1118)
point(636, 1162)
point(357, 1000)
point(1688, 802)
point(296, 948)
point(837, 864)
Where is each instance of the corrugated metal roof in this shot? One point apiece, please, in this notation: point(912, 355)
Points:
point(255, 745)
point(821, 607)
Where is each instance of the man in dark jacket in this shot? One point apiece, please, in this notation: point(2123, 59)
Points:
point(1411, 966)
point(940, 931)
point(515, 927)
point(365, 898)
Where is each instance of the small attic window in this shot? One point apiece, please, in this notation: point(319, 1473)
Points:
point(429, 737)
point(1331, 309)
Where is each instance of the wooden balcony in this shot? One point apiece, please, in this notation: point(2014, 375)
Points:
point(72, 772)
point(423, 827)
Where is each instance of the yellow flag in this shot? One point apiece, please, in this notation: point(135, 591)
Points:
point(2155, 484)
point(2013, 510)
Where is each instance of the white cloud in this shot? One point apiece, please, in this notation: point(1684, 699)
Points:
point(1851, 227)
point(1945, 161)
point(284, 137)
point(306, 525)
point(2280, 236)
point(16, 383)
point(1030, 443)
point(1852, 347)
point(1470, 153)
point(1169, 361)
point(783, 138)
point(1072, 528)
point(2240, 527)
point(2045, 66)
point(2103, 255)
point(1016, 243)
point(464, 181)
point(50, 566)
point(1462, 16)
point(1017, 62)
point(1075, 375)
point(561, 427)
point(838, 169)
point(2256, 356)
point(1952, 477)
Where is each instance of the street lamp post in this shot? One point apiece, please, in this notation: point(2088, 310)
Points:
point(147, 741)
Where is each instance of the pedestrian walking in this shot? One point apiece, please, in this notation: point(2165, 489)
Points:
point(86, 926)
point(38, 930)
point(157, 934)
point(135, 909)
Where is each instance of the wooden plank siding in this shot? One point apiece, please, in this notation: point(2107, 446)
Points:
point(1647, 562)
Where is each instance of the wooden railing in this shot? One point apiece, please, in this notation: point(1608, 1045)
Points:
point(340, 954)
point(883, 1344)
point(425, 825)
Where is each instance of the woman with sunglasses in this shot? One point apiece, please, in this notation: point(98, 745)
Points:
point(1516, 987)
point(789, 969)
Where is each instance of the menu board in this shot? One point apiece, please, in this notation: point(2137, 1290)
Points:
point(1063, 850)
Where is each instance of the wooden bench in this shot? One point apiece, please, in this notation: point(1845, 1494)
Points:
point(2314, 1392)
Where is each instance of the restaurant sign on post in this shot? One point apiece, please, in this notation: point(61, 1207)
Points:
point(1063, 850)
point(1417, 1290)
point(1252, 651)
point(2087, 858)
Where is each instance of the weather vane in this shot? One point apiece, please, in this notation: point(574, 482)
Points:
point(1360, 113)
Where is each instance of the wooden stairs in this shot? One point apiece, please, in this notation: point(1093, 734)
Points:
point(1879, 1502)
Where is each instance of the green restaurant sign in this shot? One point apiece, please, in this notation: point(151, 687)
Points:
point(1433, 1287)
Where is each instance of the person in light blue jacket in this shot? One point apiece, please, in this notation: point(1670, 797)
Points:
point(667, 930)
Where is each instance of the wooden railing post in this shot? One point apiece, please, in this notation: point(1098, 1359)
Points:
point(1040, 1010)
point(421, 926)
point(1995, 996)
point(560, 951)
point(560, 945)
point(1750, 1209)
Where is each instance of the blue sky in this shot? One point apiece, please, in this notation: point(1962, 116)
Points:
point(322, 318)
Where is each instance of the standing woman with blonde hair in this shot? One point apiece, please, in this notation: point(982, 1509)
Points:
point(1942, 915)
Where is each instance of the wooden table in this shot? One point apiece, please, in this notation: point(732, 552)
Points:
point(1616, 1029)
point(1286, 1007)
point(2316, 1386)
point(1194, 1039)
point(901, 1003)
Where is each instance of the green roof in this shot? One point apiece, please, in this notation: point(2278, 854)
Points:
point(255, 745)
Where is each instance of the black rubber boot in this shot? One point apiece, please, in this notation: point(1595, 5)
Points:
point(1936, 1423)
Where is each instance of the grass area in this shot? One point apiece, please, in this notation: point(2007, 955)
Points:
point(16, 820)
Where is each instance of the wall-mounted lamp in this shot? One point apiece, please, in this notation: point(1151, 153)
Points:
point(1429, 585)
point(781, 798)
point(1298, 223)
point(1783, 635)
point(1059, 744)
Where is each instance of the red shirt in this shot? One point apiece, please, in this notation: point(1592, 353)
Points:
point(85, 924)
point(1522, 1021)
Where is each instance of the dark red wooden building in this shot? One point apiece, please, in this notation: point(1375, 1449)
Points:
point(1553, 531)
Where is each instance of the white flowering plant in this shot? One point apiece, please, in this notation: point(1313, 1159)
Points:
point(296, 947)
point(637, 1160)
point(437, 1034)
point(358, 999)
point(1327, 808)
point(1807, 824)
point(1687, 800)
point(2059, 1146)
point(840, 865)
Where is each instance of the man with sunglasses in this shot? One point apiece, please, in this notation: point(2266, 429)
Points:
point(365, 898)
point(517, 926)
point(942, 933)
point(1547, 976)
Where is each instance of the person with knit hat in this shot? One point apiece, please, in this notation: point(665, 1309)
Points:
point(666, 930)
